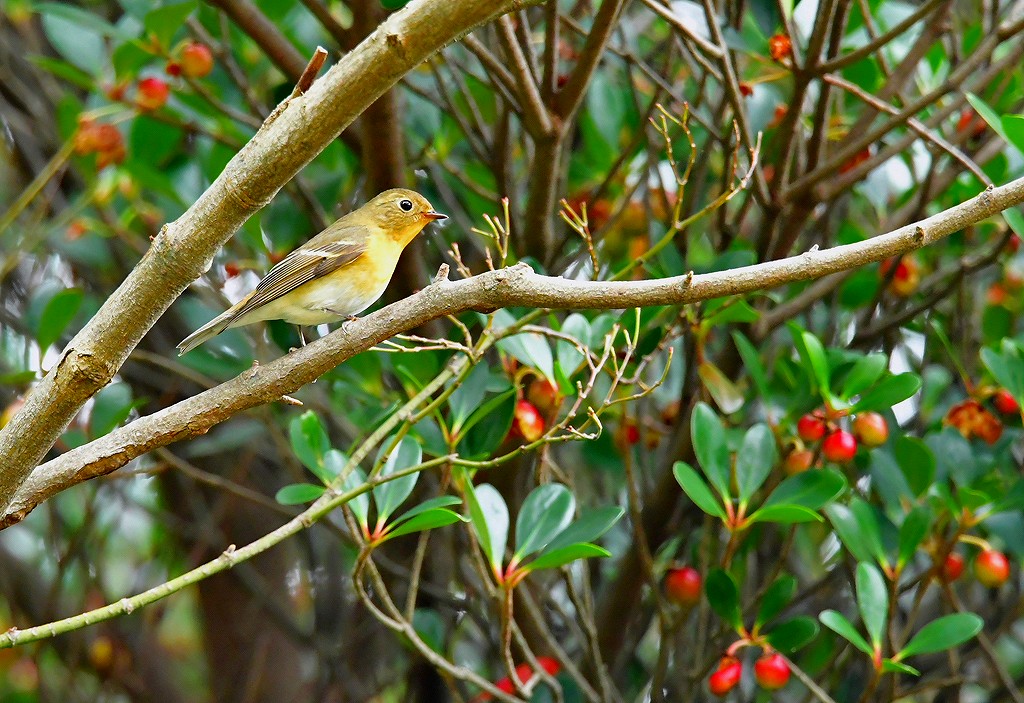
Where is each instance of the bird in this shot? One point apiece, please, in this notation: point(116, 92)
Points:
point(335, 275)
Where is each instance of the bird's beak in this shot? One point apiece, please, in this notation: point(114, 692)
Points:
point(432, 215)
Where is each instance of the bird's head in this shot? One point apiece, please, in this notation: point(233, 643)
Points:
point(401, 212)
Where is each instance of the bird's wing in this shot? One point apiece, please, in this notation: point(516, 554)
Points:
point(310, 261)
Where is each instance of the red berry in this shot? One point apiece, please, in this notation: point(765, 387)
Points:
point(632, 433)
point(839, 446)
point(173, 68)
point(810, 428)
point(746, 90)
point(726, 676)
point(871, 429)
point(528, 423)
point(152, 93)
point(544, 395)
point(780, 47)
point(196, 60)
point(683, 585)
point(771, 671)
point(1005, 402)
point(798, 461)
point(1013, 243)
point(232, 269)
point(952, 567)
point(991, 568)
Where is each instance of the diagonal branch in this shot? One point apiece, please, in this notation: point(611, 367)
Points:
point(516, 286)
point(298, 130)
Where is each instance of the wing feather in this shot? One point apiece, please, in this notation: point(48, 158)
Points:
point(312, 260)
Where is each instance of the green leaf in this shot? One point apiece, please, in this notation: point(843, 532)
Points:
point(431, 504)
point(568, 354)
point(710, 447)
point(1006, 367)
point(724, 597)
point(489, 516)
point(988, 114)
point(915, 527)
point(565, 555)
point(864, 374)
point(426, 520)
point(917, 462)
point(813, 360)
point(299, 493)
point(1015, 219)
point(593, 523)
point(532, 350)
point(785, 514)
point(547, 510)
point(791, 635)
point(110, 408)
point(811, 489)
point(752, 361)
point(57, 315)
point(723, 391)
point(478, 440)
point(92, 21)
point(845, 629)
point(889, 666)
point(694, 487)
point(872, 600)
point(755, 459)
point(943, 633)
point(164, 22)
point(309, 441)
point(777, 597)
point(888, 392)
point(1013, 128)
point(360, 504)
point(388, 496)
point(78, 44)
point(469, 396)
point(844, 522)
point(430, 627)
point(869, 529)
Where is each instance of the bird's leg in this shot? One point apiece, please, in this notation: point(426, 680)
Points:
point(347, 319)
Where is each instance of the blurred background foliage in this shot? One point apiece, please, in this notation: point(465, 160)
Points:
point(678, 144)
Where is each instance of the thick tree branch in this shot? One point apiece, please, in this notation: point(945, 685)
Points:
point(298, 130)
point(516, 286)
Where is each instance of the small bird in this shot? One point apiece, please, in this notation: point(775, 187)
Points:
point(335, 275)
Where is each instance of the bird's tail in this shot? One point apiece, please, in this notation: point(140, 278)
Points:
point(208, 331)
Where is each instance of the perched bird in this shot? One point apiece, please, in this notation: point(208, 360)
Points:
point(335, 275)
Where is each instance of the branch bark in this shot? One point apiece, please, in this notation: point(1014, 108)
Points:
point(299, 129)
point(516, 286)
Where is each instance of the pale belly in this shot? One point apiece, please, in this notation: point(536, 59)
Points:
point(320, 302)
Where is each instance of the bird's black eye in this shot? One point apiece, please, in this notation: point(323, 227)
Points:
point(405, 204)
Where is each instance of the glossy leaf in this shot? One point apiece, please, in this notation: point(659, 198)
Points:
point(724, 596)
point(838, 623)
point(872, 600)
point(915, 527)
point(791, 635)
point(426, 520)
point(810, 489)
point(695, 488)
point(776, 598)
point(888, 392)
point(569, 356)
point(60, 310)
point(298, 493)
point(917, 463)
point(565, 555)
point(710, 447)
point(893, 667)
point(813, 360)
point(844, 522)
point(943, 633)
point(360, 504)
point(724, 392)
point(755, 460)
point(468, 397)
point(489, 516)
point(547, 510)
point(388, 496)
point(110, 408)
point(431, 504)
point(864, 374)
point(593, 523)
point(309, 441)
point(531, 349)
point(752, 362)
point(785, 514)
point(1006, 367)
